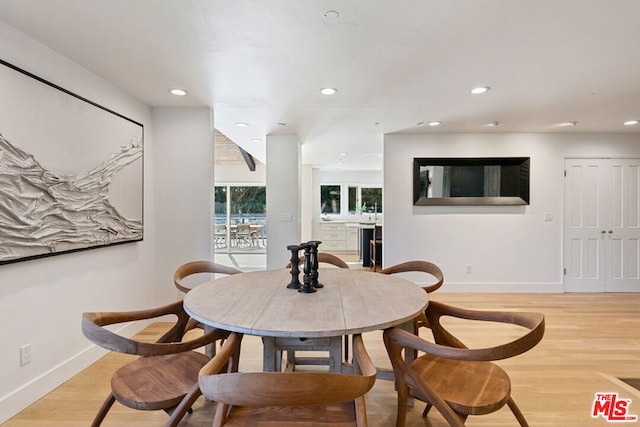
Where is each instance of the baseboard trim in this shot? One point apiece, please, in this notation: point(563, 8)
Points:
point(496, 287)
point(27, 394)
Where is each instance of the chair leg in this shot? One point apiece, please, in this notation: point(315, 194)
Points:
point(403, 399)
point(102, 412)
point(185, 406)
point(455, 419)
point(516, 411)
point(426, 410)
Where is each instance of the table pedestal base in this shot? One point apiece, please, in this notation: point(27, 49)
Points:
point(272, 353)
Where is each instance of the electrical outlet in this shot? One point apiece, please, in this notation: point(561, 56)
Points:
point(25, 354)
point(468, 269)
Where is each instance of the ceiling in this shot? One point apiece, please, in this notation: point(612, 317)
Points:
point(226, 151)
point(397, 65)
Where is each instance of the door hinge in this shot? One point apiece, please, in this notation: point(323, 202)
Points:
point(565, 173)
point(565, 271)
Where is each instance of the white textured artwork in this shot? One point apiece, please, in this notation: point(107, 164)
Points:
point(70, 171)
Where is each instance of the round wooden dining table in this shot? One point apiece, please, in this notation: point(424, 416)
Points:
point(351, 302)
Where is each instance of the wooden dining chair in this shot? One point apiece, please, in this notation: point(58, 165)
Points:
point(422, 268)
point(199, 267)
point(325, 258)
point(245, 235)
point(165, 376)
point(417, 271)
point(294, 399)
point(456, 380)
point(220, 235)
point(419, 266)
point(312, 344)
point(189, 275)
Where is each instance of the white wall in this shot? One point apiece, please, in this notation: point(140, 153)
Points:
point(41, 301)
point(238, 174)
point(183, 179)
point(306, 204)
point(509, 248)
point(283, 197)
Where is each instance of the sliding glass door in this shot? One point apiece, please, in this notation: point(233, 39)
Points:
point(240, 218)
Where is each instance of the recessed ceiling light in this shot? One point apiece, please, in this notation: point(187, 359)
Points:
point(280, 125)
point(568, 124)
point(256, 140)
point(328, 91)
point(343, 154)
point(241, 124)
point(494, 124)
point(435, 123)
point(630, 122)
point(420, 124)
point(480, 90)
point(178, 92)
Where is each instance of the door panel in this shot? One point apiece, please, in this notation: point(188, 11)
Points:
point(623, 231)
point(583, 248)
point(602, 225)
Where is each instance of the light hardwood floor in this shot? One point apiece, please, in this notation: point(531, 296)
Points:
point(590, 340)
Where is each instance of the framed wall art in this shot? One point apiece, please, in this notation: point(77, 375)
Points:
point(71, 170)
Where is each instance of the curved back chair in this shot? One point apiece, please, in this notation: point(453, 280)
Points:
point(458, 381)
point(194, 268)
point(198, 267)
point(286, 398)
point(245, 236)
point(325, 258)
point(418, 266)
point(165, 376)
point(220, 235)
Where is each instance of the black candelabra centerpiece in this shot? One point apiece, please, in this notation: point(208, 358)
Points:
point(309, 267)
point(295, 268)
point(314, 263)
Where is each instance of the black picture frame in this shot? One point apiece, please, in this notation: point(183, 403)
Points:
point(471, 181)
point(71, 170)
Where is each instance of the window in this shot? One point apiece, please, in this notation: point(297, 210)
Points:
point(330, 199)
point(371, 199)
point(220, 202)
point(365, 199)
point(248, 203)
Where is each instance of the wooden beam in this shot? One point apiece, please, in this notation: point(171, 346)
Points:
point(248, 158)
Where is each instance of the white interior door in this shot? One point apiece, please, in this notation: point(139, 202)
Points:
point(584, 253)
point(602, 225)
point(623, 231)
